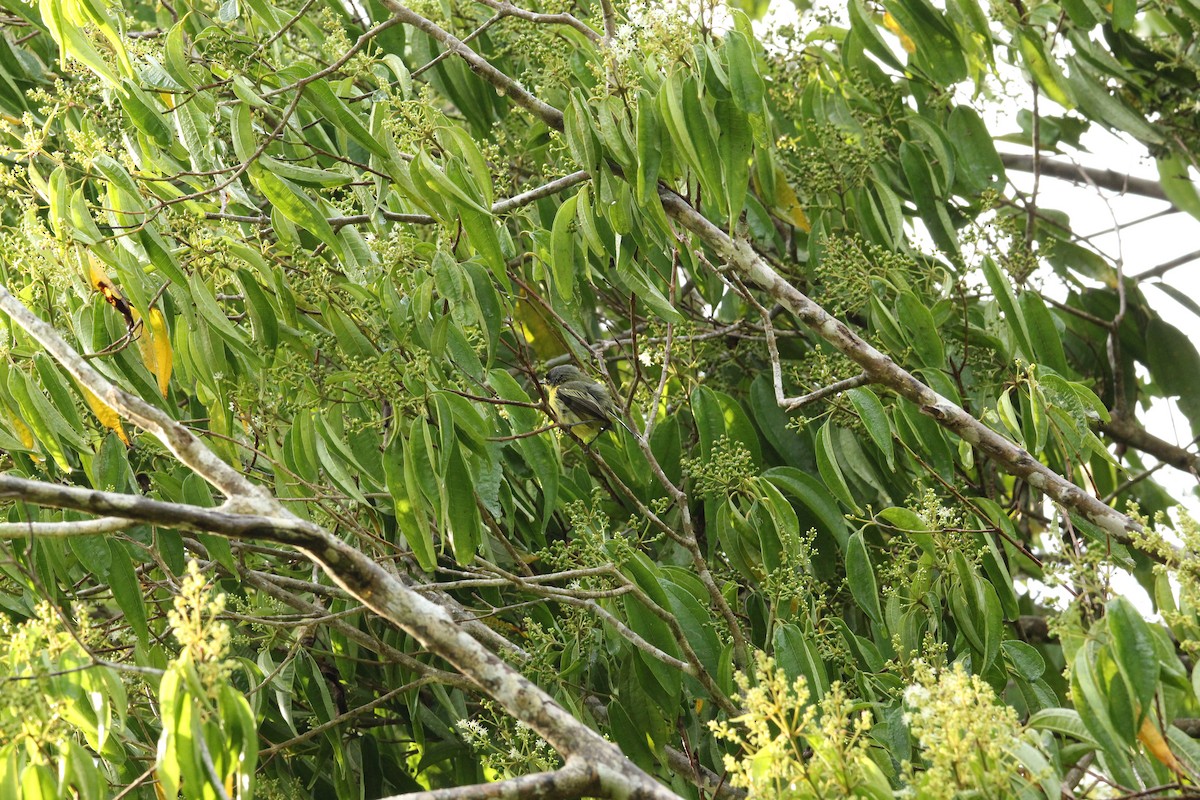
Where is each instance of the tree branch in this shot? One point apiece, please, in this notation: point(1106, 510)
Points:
point(576, 779)
point(881, 369)
point(1167, 266)
point(507, 9)
point(1103, 178)
point(356, 572)
point(185, 446)
point(1129, 432)
point(64, 529)
point(479, 65)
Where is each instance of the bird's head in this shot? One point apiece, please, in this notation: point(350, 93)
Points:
point(563, 373)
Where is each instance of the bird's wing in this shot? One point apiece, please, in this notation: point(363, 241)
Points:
point(586, 400)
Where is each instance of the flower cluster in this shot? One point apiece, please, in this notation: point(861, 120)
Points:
point(729, 468)
point(659, 34)
point(506, 747)
point(968, 738)
point(793, 749)
point(201, 635)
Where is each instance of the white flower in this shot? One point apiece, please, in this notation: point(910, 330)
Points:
point(916, 696)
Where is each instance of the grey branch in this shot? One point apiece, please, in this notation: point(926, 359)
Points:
point(507, 9)
point(1103, 178)
point(790, 404)
point(1167, 266)
point(479, 65)
point(190, 451)
point(844, 385)
point(64, 529)
point(882, 370)
point(356, 572)
point(1128, 432)
point(576, 779)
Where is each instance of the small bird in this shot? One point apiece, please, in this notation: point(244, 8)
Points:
point(581, 405)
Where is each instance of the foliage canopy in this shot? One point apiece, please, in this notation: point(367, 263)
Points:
point(284, 511)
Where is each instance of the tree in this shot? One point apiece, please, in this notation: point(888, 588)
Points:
point(287, 512)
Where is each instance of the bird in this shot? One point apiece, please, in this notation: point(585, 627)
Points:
point(581, 405)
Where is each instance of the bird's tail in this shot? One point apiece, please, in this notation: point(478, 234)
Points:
point(621, 422)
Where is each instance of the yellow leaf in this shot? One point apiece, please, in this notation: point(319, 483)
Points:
point(786, 199)
point(155, 344)
point(892, 25)
point(107, 415)
point(21, 430)
point(1153, 739)
point(97, 275)
point(100, 281)
point(541, 337)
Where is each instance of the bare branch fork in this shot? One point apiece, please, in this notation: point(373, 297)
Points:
point(378, 589)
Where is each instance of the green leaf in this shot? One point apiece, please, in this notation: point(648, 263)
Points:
point(928, 198)
point(831, 471)
point(461, 512)
point(976, 611)
point(938, 49)
point(1112, 112)
point(295, 206)
point(1045, 72)
point(1026, 660)
point(861, 577)
point(334, 109)
point(144, 114)
point(798, 656)
point(127, 590)
point(1177, 183)
point(640, 283)
point(1134, 651)
point(734, 145)
point(745, 84)
point(1065, 721)
point(689, 603)
point(978, 162)
point(649, 148)
point(74, 42)
point(37, 414)
point(908, 524)
point(1091, 701)
point(920, 330)
point(409, 509)
point(1007, 300)
point(863, 24)
point(562, 249)
point(1123, 12)
point(815, 497)
point(481, 229)
point(579, 128)
point(691, 129)
point(875, 418)
point(214, 316)
point(1045, 337)
point(1174, 365)
point(262, 315)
